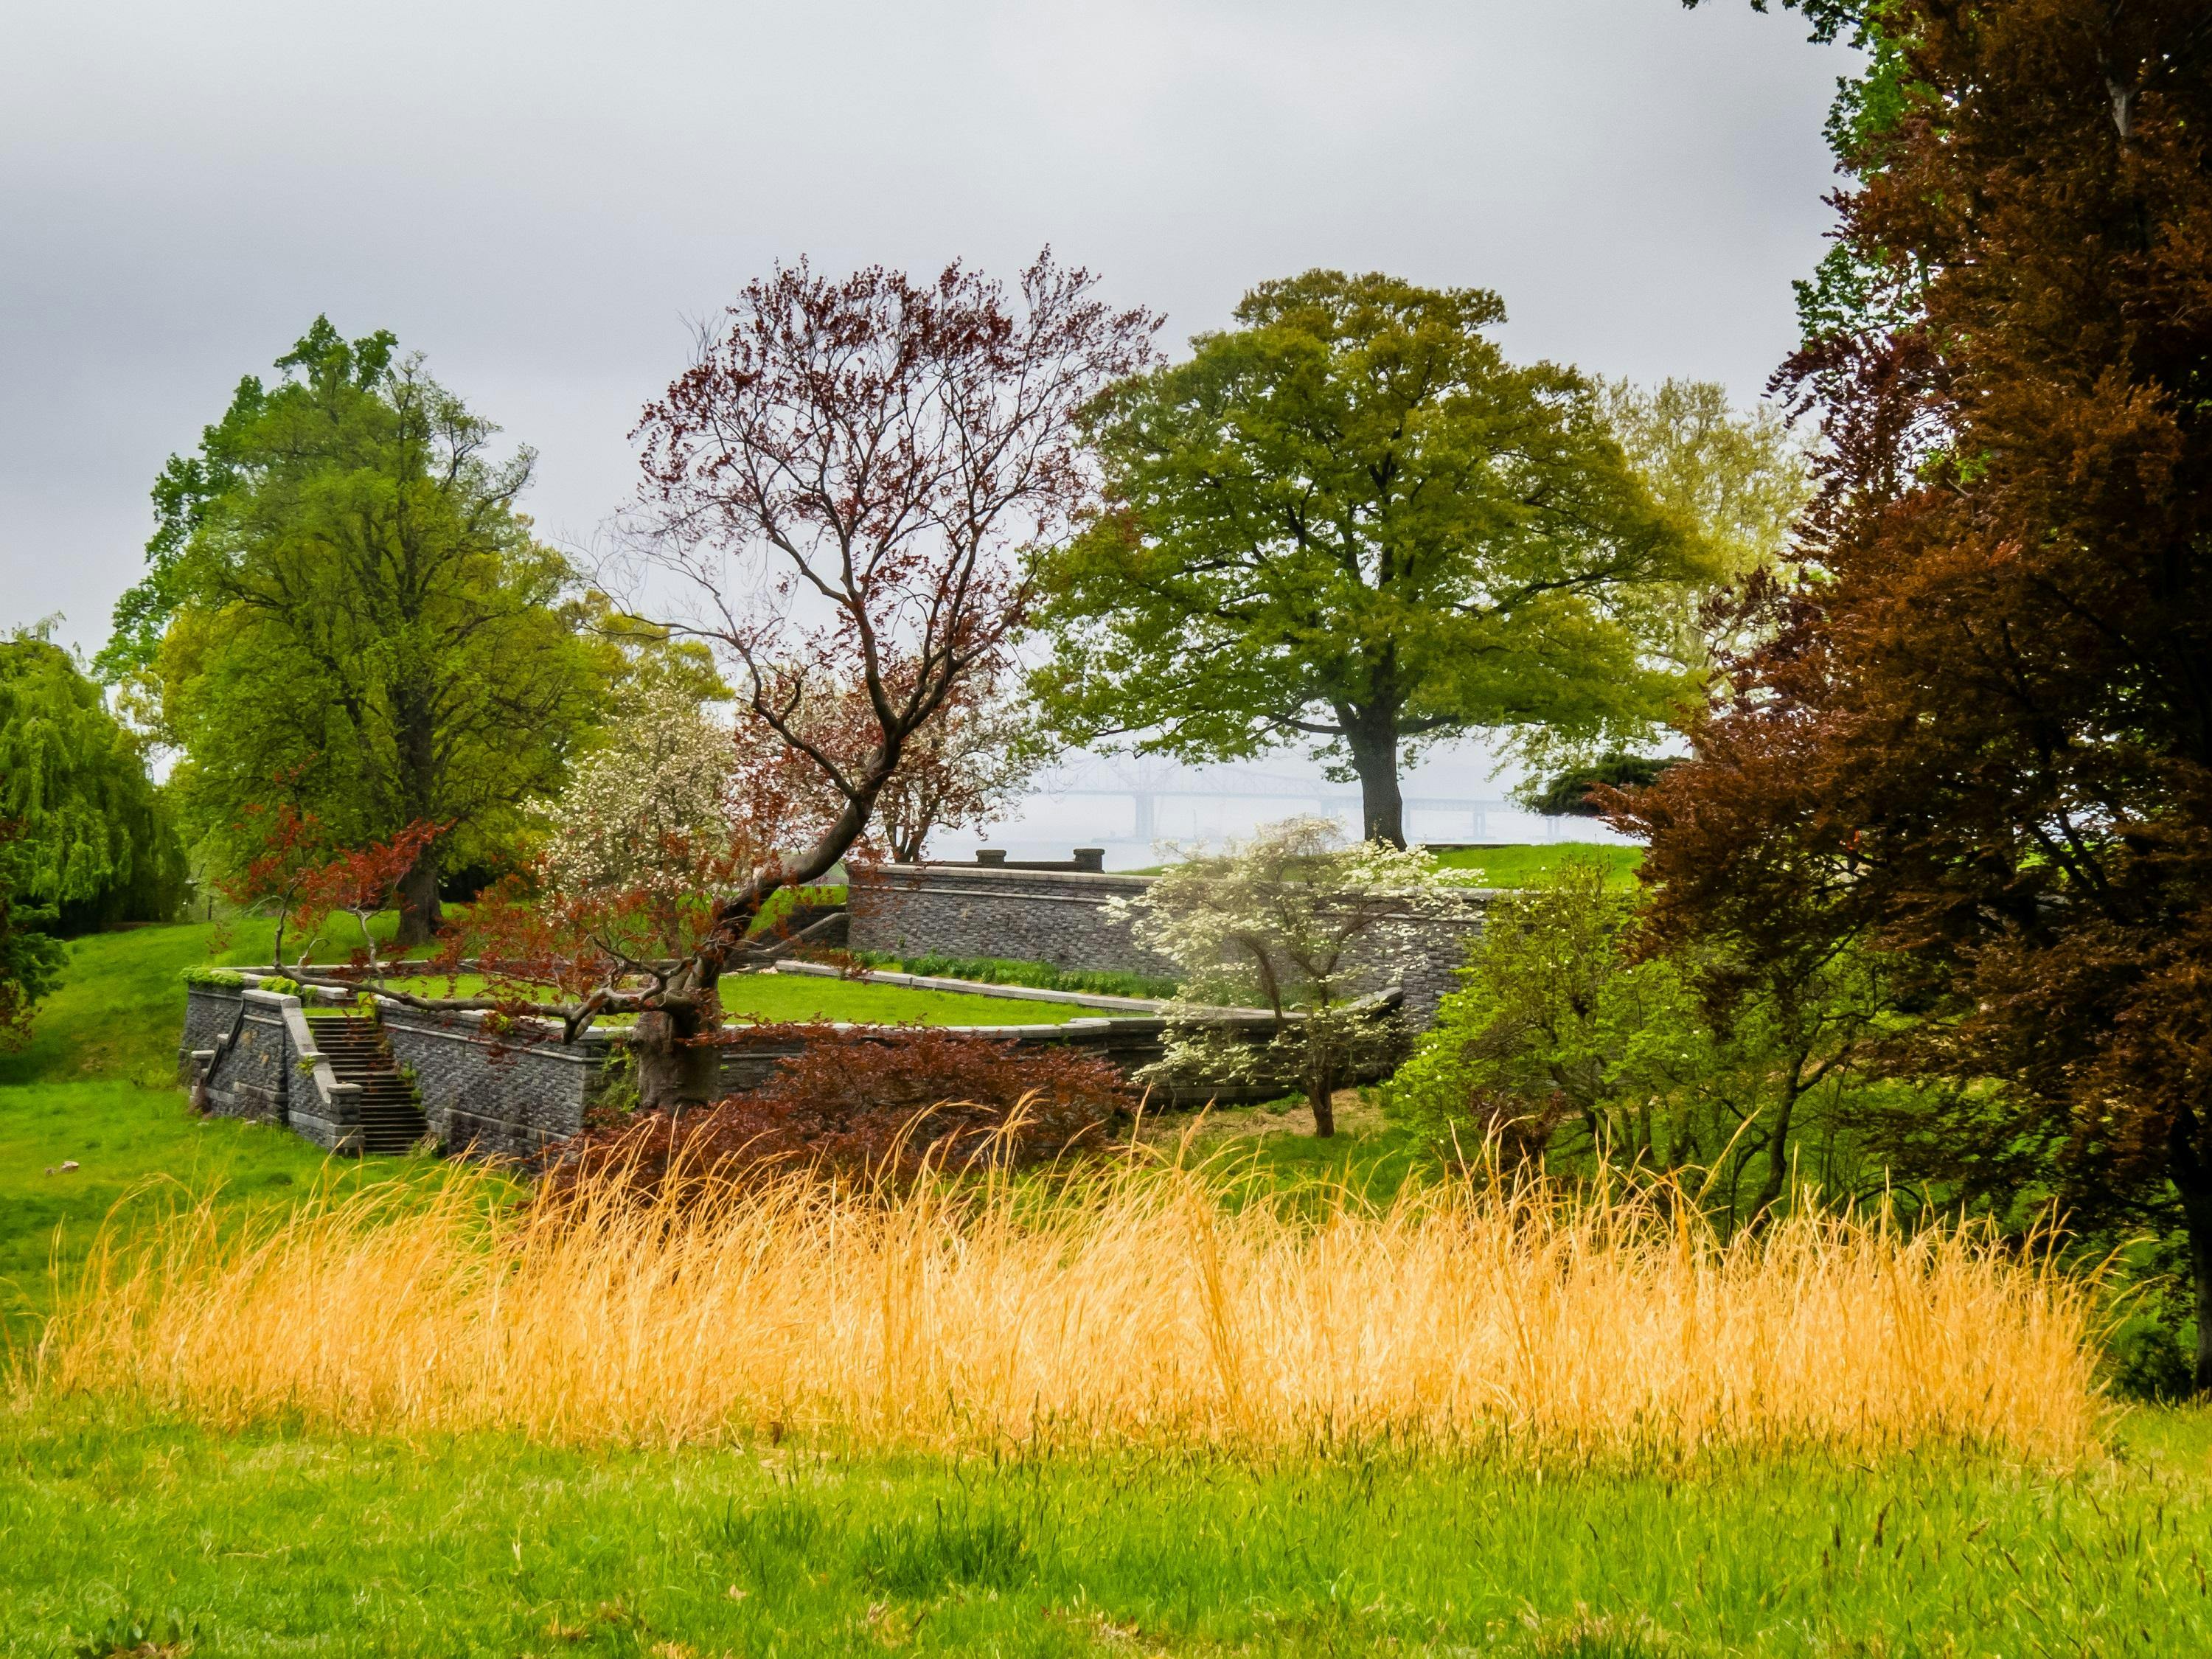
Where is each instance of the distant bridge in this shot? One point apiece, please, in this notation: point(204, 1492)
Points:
point(1152, 784)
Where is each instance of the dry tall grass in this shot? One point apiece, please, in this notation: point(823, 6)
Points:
point(1127, 1301)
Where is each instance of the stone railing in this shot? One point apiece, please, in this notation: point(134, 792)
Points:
point(251, 1054)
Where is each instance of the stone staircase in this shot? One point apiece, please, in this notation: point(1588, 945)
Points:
point(391, 1120)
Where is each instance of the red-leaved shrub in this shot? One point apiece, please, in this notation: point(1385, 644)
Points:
point(879, 1106)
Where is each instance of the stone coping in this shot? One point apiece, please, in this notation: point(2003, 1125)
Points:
point(879, 875)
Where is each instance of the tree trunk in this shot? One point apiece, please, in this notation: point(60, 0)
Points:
point(1777, 1152)
point(1374, 747)
point(2193, 1182)
point(1320, 1089)
point(2200, 1269)
point(419, 915)
point(676, 1070)
point(418, 791)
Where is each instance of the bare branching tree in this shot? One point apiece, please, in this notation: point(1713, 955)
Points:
point(848, 482)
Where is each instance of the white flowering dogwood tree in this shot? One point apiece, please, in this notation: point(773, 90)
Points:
point(1293, 921)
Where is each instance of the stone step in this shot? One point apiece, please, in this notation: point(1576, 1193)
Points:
point(390, 1114)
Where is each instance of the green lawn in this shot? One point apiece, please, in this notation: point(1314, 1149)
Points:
point(1521, 864)
point(802, 997)
point(113, 1534)
point(1524, 865)
point(97, 1086)
point(778, 997)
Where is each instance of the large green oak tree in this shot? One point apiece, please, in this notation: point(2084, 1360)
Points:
point(1350, 521)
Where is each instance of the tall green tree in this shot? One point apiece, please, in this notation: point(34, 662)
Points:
point(1739, 479)
point(94, 840)
point(30, 956)
point(342, 594)
point(1349, 521)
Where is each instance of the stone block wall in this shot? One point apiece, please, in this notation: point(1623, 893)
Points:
point(983, 910)
point(497, 1098)
point(1028, 915)
point(271, 1073)
point(1430, 967)
point(510, 1097)
point(255, 1080)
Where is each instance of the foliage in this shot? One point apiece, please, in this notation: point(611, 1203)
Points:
point(341, 588)
point(95, 840)
point(1291, 922)
point(30, 957)
point(648, 824)
point(1978, 738)
point(1568, 794)
point(1563, 1049)
point(1739, 479)
point(1038, 975)
point(360, 882)
point(959, 768)
point(872, 1108)
point(294, 870)
point(963, 768)
point(888, 450)
point(1350, 521)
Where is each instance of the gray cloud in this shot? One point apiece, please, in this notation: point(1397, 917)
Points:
point(543, 196)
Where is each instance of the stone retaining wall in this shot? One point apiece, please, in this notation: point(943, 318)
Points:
point(1056, 917)
point(504, 1098)
point(511, 1095)
point(271, 1072)
point(984, 910)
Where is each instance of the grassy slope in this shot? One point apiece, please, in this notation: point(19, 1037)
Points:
point(268, 1544)
point(98, 1085)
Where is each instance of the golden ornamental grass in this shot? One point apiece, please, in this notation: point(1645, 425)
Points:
point(1127, 1301)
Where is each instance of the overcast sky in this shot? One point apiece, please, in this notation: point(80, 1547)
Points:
point(544, 197)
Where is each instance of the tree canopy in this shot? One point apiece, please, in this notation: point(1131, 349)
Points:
point(1979, 735)
point(1350, 521)
point(30, 956)
point(342, 593)
point(94, 839)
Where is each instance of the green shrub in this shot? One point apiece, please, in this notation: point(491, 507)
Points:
point(200, 974)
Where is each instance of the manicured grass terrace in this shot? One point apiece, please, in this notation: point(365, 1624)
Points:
point(778, 997)
point(1526, 865)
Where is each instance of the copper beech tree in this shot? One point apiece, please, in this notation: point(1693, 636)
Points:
point(1980, 737)
point(845, 486)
